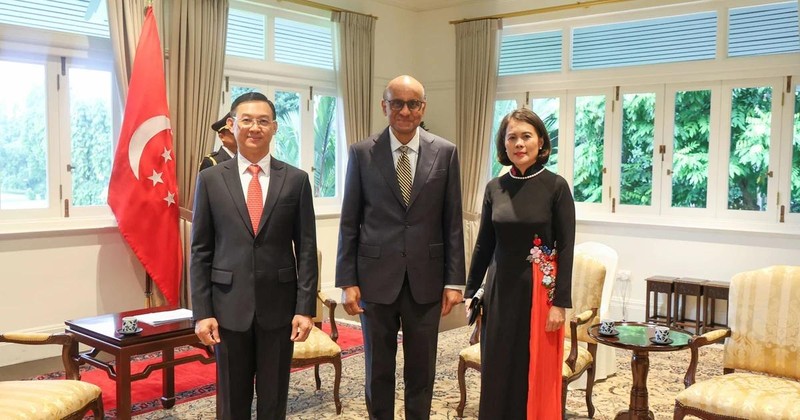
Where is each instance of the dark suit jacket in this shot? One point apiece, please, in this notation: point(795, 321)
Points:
point(380, 239)
point(235, 275)
point(214, 158)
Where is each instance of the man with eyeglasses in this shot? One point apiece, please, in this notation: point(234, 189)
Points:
point(253, 265)
point(228, 148)
point(401, 248)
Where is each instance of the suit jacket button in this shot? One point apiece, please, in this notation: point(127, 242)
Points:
point(403, 253)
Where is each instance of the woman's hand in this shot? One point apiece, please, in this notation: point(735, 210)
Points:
point(555, 319)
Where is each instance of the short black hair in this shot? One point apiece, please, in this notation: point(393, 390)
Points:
point(252, 97)
point(527, 116)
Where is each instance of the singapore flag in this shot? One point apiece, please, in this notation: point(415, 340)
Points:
point(143, 190)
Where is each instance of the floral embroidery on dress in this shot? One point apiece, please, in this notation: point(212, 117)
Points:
point(543, 258)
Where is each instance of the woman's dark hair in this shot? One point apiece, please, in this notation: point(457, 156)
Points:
point(527, 116)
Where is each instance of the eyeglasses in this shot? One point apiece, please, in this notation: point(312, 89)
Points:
point(398, 104)
point(249, 122)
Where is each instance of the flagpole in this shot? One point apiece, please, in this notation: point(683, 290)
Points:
point(148, 281)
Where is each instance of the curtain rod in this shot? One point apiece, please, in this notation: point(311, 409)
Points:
point(578, 5)
point(321, 6)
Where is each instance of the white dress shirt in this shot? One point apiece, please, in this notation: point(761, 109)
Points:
point(245, 176)
point(413, 151)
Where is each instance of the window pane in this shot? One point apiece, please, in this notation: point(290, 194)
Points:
point(547, 109)
point(287, 139)
point(530, 53)
point(92, 141)
point(501, 109)
point(23, 142)
point(690, 148)
point(324, 146)
point(237, 91)
point(794, 205)
point(590, 113)
point(751, 114)
point(638, 122)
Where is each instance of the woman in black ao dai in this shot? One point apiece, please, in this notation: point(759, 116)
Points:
point(528, 230)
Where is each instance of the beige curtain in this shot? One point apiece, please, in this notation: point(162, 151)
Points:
point(355, 62)
point(125, 20)
point(477, 49)
point(196, 60)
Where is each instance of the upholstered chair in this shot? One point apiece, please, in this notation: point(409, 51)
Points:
point(49, 399)
point(320, 347)
point(764, 340)
point(588, 276)
point(605, 361)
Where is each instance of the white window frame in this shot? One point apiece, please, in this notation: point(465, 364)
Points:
point(722, 179)
point(59, 138)
point(568, 149)
point(616, 149)
point(669, 142)
point(789, 92)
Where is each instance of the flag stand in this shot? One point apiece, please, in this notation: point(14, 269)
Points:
point(148, 290)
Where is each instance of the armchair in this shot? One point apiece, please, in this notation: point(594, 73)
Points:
point(50, 399)
point(588, 276)
point(764, 339)
point(320, 347)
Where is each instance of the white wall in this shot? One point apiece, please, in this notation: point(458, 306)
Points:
point(51, 277)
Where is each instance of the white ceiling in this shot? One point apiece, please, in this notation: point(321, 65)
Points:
point(425, 5)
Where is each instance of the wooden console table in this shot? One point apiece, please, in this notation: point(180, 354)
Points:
point(100, 333)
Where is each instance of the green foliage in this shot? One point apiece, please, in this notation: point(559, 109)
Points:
point(325, 147)
point(287, 139)
point(751, 114)
point(92, 153)
point(638, 122)
point(690, 148)
point(589, 136)
point(23, 148)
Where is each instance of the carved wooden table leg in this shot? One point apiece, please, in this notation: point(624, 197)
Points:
point(638, 408)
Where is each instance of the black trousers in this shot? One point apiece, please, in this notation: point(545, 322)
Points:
point(420, 325)
point(265, 355)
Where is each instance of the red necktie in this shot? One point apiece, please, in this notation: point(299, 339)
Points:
point(255, 202)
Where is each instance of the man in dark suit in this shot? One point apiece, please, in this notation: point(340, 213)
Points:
point(228, 148)
point(401, 248)
point(253, 265)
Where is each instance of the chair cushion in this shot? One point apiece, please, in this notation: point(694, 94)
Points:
point(583, 360)
point(471, 354)
point(44, 399)
point(746, 396)
point(318, 344)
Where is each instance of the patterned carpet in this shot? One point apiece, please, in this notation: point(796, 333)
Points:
point(610, 396)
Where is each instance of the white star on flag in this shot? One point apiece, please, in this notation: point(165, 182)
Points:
point(156, 177)
point(170, 198)
point(166, 155)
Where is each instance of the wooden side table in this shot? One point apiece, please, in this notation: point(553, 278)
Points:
point(655, 286)
point(635, 336)
point(685, 287)
point(100, 333)
point(713, 291)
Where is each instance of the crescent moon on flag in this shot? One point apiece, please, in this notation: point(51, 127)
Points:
point(146, 131)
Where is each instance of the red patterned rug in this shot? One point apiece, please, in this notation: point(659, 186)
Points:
point(192, 380)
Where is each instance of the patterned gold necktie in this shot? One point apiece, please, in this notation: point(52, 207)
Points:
point(404, 174)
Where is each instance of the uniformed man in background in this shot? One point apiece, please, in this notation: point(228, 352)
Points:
point(228, 148)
